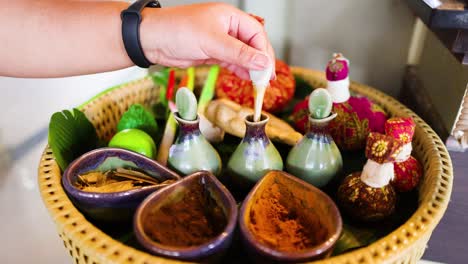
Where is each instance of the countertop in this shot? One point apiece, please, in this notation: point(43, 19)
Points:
point(448, 241)
point(29, 235)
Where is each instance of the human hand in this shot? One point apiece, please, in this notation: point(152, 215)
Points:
point(208, 33)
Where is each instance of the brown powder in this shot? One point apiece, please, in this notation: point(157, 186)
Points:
point(278, 221)
point(192, 221)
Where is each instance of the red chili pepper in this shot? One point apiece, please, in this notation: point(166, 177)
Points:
point(170, 85)
point(184, 81)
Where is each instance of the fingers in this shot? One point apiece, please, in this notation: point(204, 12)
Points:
point(245, 45)
point(241, 72)
point(271, 53)
point(258, 18)
point(233, 51)
point(207, 62)
point(249, 29)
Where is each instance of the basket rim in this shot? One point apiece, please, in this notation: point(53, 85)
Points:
point(428, 214)
point(390, 247)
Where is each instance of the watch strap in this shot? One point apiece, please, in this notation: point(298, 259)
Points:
point(131, 19)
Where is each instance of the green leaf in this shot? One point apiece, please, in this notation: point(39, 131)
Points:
point(138, 117)
point(71, 134)
point(160, 111)
point(191, 78)
point(160, 79)
point(354, 237)
point(303, 88)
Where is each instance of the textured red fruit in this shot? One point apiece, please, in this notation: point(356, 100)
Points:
point(300, 115)
point(356, 118)
point(407, 175)
point(241, 91)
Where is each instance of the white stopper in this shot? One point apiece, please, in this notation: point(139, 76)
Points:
point(377, 175)
point(339, 90)
point(260, 80)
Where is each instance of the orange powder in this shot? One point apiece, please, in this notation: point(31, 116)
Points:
point(276, 221)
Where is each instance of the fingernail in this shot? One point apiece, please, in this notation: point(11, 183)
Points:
point(260, 61)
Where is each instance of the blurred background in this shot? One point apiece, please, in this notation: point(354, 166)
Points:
point(381, 39)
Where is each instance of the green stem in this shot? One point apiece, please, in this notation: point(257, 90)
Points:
point(191, 78)
point(208, 90)
point(167, 140)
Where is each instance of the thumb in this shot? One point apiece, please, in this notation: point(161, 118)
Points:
point(233, 51)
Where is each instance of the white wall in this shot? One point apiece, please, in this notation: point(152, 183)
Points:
point(374, 35)
point(276, 15)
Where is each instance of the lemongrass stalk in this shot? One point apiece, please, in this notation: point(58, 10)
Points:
point(171, 125)
point(191, 78)
point(208, 90)
point(167, 140)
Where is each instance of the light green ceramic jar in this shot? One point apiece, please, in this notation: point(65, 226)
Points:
point(254, 156)
point(315, 158)
point(191, 152)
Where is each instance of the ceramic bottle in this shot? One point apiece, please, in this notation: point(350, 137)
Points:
point(255, 155)
point(316, 158)
point(191, 152)
point(357, 114)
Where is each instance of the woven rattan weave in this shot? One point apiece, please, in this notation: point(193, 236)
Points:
point(87, 244)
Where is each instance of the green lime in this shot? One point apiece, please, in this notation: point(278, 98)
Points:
point(134, 140)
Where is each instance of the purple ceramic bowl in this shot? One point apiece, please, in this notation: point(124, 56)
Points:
point(207, 251)
point(117, 206)
point(317, 205)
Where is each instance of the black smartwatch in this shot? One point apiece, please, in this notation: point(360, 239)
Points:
point(131, 19)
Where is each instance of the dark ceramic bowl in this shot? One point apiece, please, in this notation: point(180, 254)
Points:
point(208, 251)
point(116, 206)
point(309, 202)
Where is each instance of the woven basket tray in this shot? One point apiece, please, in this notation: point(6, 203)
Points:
point(88, 244)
